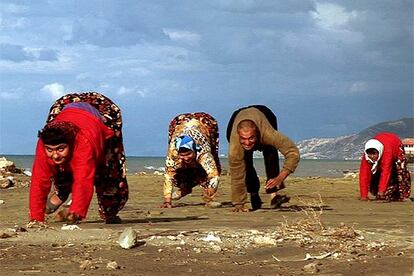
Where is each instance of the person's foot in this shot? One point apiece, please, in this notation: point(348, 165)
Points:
point(52, 204)
point(255, 201)
point(278, 200)
point(113, 220)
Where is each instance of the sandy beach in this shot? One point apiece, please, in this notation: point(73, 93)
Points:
point(323, 230)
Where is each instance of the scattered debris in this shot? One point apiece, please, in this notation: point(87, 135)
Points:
point(264, 240)
point(311, 268)
point(112, 265)
point(320, 257)
point(7, 182)
point(87, 265)
point(70, 227)
point(7, 234)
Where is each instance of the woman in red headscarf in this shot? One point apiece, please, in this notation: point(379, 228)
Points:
point(80, 148)
point(383, 169)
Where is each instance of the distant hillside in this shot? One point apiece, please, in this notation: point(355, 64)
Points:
point(351, 147)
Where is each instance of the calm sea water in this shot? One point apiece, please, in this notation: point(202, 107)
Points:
point(328, 168)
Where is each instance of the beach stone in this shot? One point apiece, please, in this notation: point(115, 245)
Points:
point(216, 248)
point(6, 165)
point(311, 268)
point(7, 182)
point(129, 239)
point(112, 265)
point(264, 241)
point(86, 265)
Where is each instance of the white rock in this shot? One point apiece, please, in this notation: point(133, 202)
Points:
point(211, 238)
point(28, 173)
point(128, 238)
point(70, 227)
point(2, 201)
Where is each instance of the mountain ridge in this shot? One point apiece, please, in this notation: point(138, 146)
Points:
point(350, 147)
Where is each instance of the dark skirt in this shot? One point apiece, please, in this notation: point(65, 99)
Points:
point(399, 187)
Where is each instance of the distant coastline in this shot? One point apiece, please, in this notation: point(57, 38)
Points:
point(152, 164)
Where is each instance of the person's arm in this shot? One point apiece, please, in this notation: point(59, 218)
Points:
point(237, 168)
point(169, 177)
point(288, 149)
point(40, 184)
point(208, 163)
point(83, 164)
point(365, 175)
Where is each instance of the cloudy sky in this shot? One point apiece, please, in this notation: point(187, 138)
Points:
point(326, 68)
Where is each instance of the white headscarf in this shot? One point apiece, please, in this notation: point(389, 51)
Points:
point(374, 144)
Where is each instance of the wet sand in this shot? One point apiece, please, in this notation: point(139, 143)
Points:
point(324, 218)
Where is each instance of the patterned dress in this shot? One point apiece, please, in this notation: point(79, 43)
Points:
point(203, 129)
point(110, 181)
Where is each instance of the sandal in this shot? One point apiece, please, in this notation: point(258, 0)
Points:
point(50, 207)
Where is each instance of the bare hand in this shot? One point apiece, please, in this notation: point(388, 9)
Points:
point(65, 216)
point(274, 182)
point(36, 224)
point(277, 181)
point(166, 204)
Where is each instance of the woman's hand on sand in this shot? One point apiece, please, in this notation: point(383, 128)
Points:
point(167, 203)
point(65, 216)
point(36, 224)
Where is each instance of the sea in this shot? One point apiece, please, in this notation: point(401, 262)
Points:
point(306, 168)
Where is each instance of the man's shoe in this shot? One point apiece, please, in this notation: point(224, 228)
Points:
point(278, 200)
point(255, 201)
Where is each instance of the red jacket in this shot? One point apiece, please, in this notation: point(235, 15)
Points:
point(392, 144)
point(87, 154)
